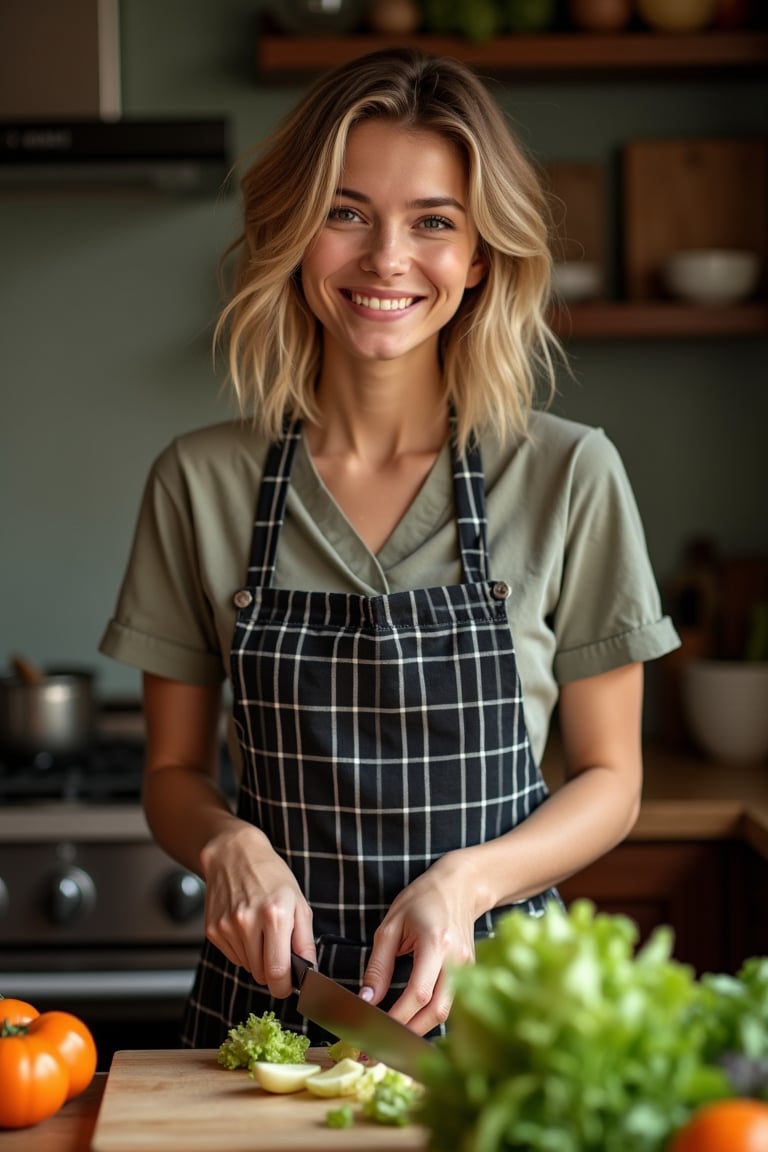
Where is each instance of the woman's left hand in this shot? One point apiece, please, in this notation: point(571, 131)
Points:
point(433, 918)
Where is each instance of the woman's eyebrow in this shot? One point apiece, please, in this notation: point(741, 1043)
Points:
point(421, 202)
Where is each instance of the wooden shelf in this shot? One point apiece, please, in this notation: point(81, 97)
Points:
point(630, 320)
point(533, 56)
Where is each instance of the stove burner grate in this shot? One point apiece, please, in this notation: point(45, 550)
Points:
point(109, 774)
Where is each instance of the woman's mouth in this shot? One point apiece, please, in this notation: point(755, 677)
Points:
point(380, 303)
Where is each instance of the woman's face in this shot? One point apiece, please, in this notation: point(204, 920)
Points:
point(388, 269)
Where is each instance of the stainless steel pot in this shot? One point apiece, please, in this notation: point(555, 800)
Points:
point(56, 716)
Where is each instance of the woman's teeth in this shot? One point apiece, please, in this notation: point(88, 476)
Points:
point(382, 305)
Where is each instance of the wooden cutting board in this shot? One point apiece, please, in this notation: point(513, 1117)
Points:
point(183, 1101)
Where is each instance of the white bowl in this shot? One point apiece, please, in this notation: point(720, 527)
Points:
point(711, 275)
point(574, 280)
point(726, 706)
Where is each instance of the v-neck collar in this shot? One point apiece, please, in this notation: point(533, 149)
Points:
point(430, 507)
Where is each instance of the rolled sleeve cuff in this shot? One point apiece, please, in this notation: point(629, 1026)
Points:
point(161, 656)
point(648, 642)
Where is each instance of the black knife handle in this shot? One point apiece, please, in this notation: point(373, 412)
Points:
point(299, 967)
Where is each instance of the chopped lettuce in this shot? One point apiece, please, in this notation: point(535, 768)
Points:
point(565, 1038)
point(261, 1038)
point(342, 1117)
point(387, 1096)
point(342, 1050)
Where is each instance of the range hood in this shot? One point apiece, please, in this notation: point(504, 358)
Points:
point(184, 156)
point(61, 116)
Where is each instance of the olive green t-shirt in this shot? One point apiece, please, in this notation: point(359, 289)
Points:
point(563, 529)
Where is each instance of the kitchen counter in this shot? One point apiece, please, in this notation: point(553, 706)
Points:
point(687, 797)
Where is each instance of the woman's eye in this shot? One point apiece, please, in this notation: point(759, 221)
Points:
point(344, 215)
point(436, 223)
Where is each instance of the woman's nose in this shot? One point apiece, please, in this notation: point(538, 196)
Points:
point(386, 254)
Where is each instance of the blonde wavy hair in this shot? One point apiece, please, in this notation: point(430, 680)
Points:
point(496, 350)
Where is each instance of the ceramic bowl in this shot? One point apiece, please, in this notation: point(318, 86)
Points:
point(712, 275)
point(574, 280)
point(725, 704)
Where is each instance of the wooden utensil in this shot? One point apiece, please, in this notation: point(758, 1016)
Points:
point(27, 671)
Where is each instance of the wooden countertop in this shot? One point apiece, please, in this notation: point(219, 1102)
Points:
point(687, 797)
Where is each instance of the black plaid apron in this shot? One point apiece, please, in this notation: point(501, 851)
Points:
point(377, 734)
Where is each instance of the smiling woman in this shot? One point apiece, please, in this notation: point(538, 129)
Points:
point(391, 266)
point(400, 562)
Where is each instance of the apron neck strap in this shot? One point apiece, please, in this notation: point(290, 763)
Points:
point(469, 495)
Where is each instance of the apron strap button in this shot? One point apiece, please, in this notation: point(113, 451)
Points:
point(501, 590)
point(242, 598)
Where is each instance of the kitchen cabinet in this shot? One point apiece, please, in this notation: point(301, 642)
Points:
point(696, 887)
point(697, 858)
point(577, 57)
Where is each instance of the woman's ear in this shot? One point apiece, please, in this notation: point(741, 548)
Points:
point(478, 269)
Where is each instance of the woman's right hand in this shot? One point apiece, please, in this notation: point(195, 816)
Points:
point(255, 912)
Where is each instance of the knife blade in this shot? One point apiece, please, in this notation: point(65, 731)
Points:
point(363, 1025)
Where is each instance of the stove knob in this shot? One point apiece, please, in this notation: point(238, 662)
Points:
point(71, 896)
point(184, 896)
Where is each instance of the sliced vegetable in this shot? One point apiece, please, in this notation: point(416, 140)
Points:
point(262, 1038)
point(283, 1078)
point(342, 1050)
point(338, 1080)
point(388, 1096)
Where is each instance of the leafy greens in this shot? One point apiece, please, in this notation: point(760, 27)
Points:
point(565, 1038)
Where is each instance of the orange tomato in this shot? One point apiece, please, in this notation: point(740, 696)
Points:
point(16, 1011)
point(45, 1059)
point(737, 1125)
point(34, 1080)
point(72, 1039)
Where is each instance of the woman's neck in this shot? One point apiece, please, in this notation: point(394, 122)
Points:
point(380, 432)
point(380, 411)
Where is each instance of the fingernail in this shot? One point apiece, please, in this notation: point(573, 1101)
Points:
point(366, 993)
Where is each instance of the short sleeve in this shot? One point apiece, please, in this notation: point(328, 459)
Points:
point(609, 609)
point(164, 623)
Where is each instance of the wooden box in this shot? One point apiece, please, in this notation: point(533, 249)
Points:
point(697, 193)
point(577, 201)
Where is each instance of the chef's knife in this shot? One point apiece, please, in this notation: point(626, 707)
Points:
point(363, 1025)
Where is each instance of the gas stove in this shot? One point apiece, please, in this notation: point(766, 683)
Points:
point(110, 773)
point(95, 917)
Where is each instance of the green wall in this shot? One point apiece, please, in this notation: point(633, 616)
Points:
point(107, 301)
